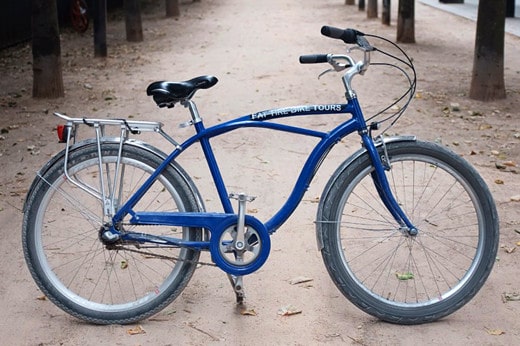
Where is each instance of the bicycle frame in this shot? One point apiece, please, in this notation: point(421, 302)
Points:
point(259, 120)
point(86, 250)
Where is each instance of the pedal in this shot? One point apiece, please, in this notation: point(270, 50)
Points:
point(242, 197)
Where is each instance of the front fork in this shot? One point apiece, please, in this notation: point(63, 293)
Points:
point(380, 164)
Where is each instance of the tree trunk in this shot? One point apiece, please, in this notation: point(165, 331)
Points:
point(385, 14)
point(134, 28)
point(100, 28)
point(350, 2)
point(361, 5)
point(372, 9)
point(487, 81)
point(46, 50)
point(406, 21)
point(172, 8)
point(510, 8)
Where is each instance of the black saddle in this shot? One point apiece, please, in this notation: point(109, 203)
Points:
point(167, 94)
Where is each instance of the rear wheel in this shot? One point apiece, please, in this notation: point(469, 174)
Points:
point(75, 269)
point(387, 272)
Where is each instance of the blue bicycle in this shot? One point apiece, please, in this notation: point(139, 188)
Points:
point(113, 228)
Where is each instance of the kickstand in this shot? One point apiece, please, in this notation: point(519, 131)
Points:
point(237, 282)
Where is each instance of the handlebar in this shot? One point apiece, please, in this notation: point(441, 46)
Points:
point(342, 62)
point(353, 66)
point(350, 36)
point(314, 58)
point(347, 35)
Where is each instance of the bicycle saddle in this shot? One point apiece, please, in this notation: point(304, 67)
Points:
point(166, 94)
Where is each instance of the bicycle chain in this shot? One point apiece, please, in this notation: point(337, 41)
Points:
point(151, 254)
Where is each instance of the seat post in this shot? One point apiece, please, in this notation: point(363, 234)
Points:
point(193, 110)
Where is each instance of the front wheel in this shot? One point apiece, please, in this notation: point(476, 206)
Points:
point(62, 226)
point(385, 271)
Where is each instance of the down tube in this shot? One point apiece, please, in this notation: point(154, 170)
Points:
point(310, 167)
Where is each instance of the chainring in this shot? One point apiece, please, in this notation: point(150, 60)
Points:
point(233, 261)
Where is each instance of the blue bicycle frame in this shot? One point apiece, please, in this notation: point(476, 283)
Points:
point(203, 135)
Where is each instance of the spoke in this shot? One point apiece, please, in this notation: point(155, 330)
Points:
point(77, 205)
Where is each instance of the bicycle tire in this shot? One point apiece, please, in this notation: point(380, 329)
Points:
point(385, 272)
point(68, 261)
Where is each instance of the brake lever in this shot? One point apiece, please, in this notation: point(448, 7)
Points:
point(353, 48)
point(364, 44)
point(337, 67)
point(325, 72)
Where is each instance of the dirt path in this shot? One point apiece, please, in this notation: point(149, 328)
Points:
point(252, 47)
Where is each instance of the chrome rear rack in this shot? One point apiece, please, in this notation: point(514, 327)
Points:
point(133, 126)
point(108, 192)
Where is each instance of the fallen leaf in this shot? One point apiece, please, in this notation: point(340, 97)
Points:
point(498, 165)
point(404, 276)
point(515, 198)
point(511, 297)
point(455, 107)
point(136, 330)
point(124, 264)
point(495, 331)
point(509, 249)
point(248, 312)
point(41, 298)
point(289, 310)
point(299, 280)
point(314, 199)
point(509, 163)
point(499, 182)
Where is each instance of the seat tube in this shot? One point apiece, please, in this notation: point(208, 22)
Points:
point(214, 170)
point(210, 156)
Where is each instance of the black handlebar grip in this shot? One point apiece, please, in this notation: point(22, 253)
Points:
point(313, 58)
point(347, 35)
